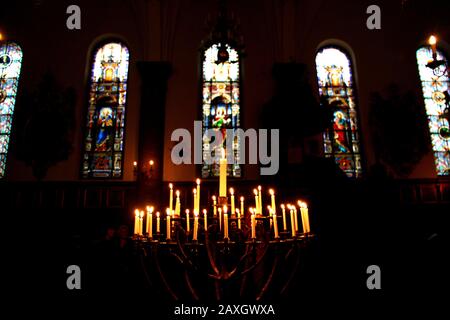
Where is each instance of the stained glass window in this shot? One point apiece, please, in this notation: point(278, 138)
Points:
point(435, 87)
point(335, 81)
point(221, 104)
point(105, 123)
point(10, 63)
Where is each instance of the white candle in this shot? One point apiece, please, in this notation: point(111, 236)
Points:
point(305, 216)
point(205, 219)
point(272, 197)
point(168, 226)
point(136, 221)
point(232, 201)
point(260, 200)
point(158, 223)
point(148, 227)
point(253, 224)
point(197, 204)
point(275, 225)
point(141, 223)
point(171, 197)
point(284, 217)
point(223, 175)
point(225, 223)
point(214, 205)
point(238, 212)
point(256, 200)
point(220, 219)
point(292, 220)
point(295, 218)
point(188, 223)
point(194, 237)
point(177, 204)
point(194, 191)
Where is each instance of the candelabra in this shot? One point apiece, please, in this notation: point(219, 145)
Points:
point(221, 257)
point(146, 173)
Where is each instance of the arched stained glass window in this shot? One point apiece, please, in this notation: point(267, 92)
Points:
point(336, 87)
point(435, 87)
point(10, 63)
point(221, 104)
point(105, 125)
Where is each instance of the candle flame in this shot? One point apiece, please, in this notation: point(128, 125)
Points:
point(170, 185)
point(177, 193)
point(255, 192)
point(136, 212)
point(237, 210)
point(198, 181)
point(302, 204)
point(150, 209)
point(223, 153)
point(214, 198)
point(251, 210)
point(187, 211)
point(151, 162)
point(432, 40)
point(271, 192)
point(225, 209)
point(204, 211)
point(194, 191)
point(242, 199)
point(282, 206)
point(157, 214)
point(231, 191)
point(135, 163)
point(168, 211)
point(141, 214)
point(196, 213)
point(259, 188)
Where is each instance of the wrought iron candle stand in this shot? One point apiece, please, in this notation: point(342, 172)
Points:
point(237, 267)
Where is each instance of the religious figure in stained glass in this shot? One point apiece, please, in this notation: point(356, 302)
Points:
point(103, 155)
point(335, 81)
point(436, 93)
point(10, 64)
point(221, 104)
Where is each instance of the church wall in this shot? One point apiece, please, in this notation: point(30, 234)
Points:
point(273, 31)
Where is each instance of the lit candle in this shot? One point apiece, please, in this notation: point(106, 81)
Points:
point(238, 212)
point(194, 237)
point(295, 218)
point(168, 228)
point(292, 220)
point(253, 223)
point(205, 219)
point(197, 204)
point(272, 198)
point(256, 200)
point(284, 217)
point(188, 223)
point(260, 200)
point(177, 204)
point(225, 223)
point(232, 201)
point(223, 175)
point(135, 166)
point(149, 224)
point(269, 209)
point(141, 222)
point(158, 223)
point(136, 221)
point(171, 197)
point(305, 216)
point(220, 219)
point(194, 191)
point(214, 205)
point(275, 225)
point(242, 205)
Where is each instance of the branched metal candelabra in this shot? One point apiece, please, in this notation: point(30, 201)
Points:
point(225, 268)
